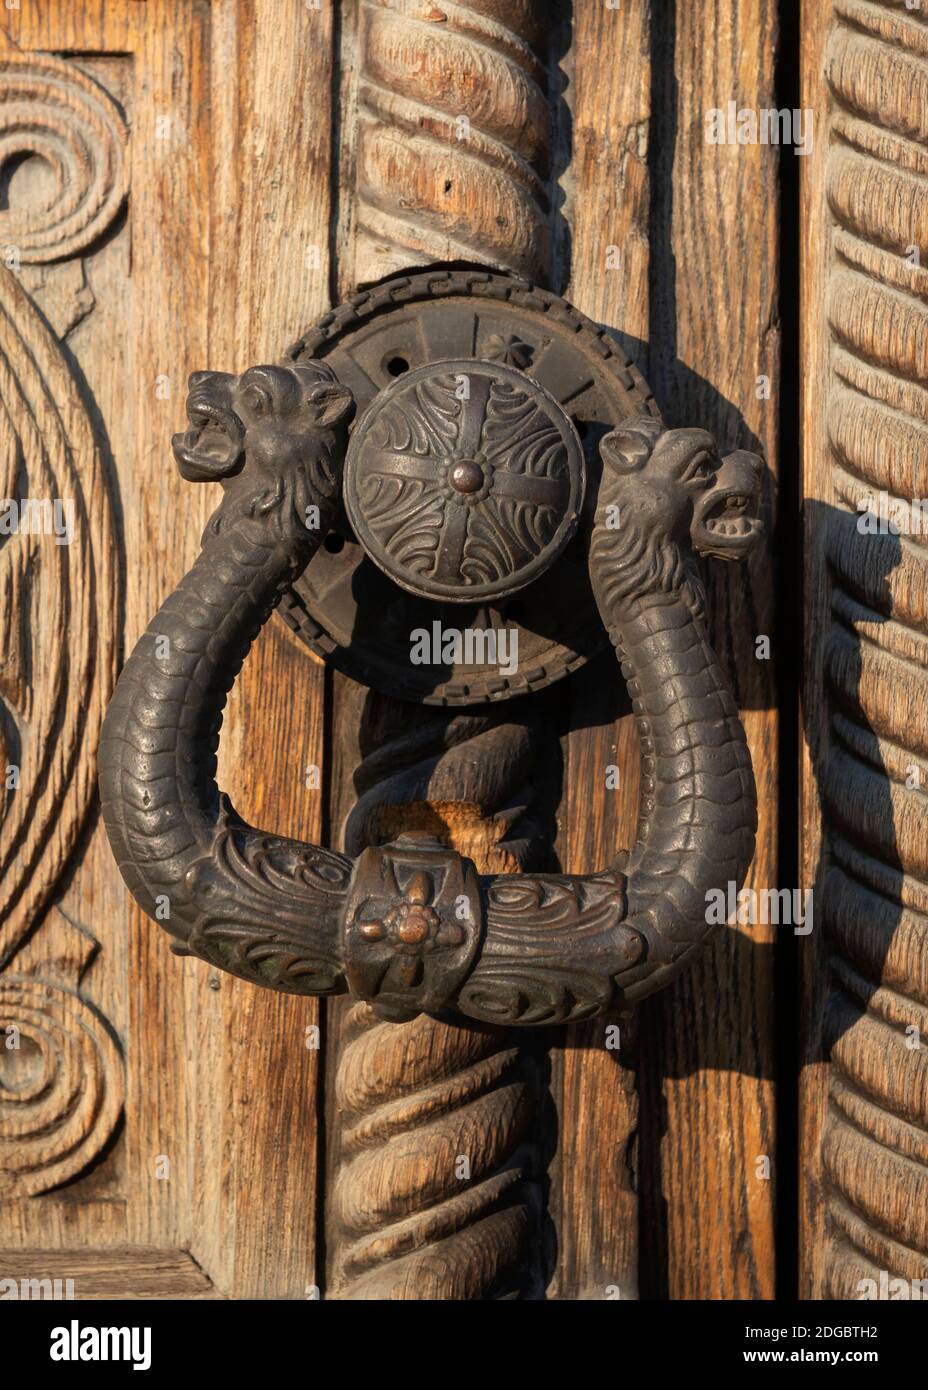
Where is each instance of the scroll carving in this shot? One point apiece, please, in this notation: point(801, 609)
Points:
point(238, 884)
point(62, 1075)
point(452, 135)
point(52, 110)
point(566, 923)
point(63, 1086)
point(59, 602)
point(873, 1148)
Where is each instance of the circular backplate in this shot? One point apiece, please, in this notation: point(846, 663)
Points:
point(359, 618)
point(463, 480)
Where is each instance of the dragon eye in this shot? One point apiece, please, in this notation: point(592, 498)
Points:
point(257, 399)
point(698, 467)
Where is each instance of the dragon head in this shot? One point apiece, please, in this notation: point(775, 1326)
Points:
point(675, 485)
point(665, 496)
point(256, 432)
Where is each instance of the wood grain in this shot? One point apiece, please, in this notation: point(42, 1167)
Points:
point(111, 1273)
point(865, 1155)
point(168, 1065)
point(268, 274)
point(707, 1043)
point(594, 1180)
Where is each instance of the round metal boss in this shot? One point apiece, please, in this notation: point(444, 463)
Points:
point(464, 480)
point(353, 613)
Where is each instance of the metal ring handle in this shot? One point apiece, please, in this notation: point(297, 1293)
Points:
point(411, 926)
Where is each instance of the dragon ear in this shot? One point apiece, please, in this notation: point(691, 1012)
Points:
point(628, 448)
point(331, 402)
point(215, 379)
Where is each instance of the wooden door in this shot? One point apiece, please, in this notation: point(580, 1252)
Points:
point(191, 183)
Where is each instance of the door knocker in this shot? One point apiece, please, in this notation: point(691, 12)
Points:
point(506, 462)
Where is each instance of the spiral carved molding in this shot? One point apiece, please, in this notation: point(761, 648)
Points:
point(452, 135)
point(451, 162)
point(875, 1135)
point(436, 1192)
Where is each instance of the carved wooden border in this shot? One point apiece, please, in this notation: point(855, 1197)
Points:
point(59, 601)
point(867, 434)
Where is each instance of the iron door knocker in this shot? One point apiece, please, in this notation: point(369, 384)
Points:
point(502, 445)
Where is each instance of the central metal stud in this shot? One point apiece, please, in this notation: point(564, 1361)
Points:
point(466, 476)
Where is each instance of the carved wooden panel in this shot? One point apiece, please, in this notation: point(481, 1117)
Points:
point(62, 152)
point(107, 306)
point(279, 154)
point(52, 112)
point(866, 1097)
point(58, 661)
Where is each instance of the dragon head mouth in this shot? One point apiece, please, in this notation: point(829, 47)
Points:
point(269, 418)
point(725, 521)
point(674, 488)
point(213, 445)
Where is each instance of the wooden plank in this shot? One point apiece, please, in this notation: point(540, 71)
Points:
point(270, 211)
point(593, 1200)
point(707, 1044)
point(167, 1081)
point(94, 26)
point(54, 1223)
point(103, 1273)
point(865, 411)
point(816, 20)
